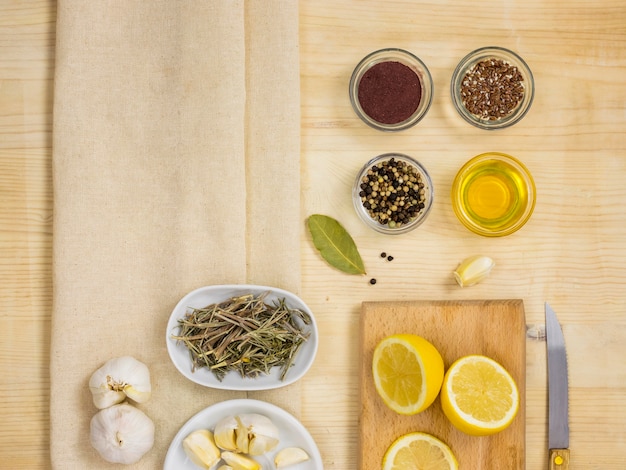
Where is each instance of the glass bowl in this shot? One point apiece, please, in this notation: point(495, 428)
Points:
point(406, 201)
point(492, 88)
point(493, 194)
point(391, 90)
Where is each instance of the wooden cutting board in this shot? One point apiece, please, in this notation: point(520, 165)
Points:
point(494, 328)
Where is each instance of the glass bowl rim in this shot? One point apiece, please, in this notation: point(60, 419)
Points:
point(474, 57)
point(521, 169)
point(362, 212)
point(385, 55)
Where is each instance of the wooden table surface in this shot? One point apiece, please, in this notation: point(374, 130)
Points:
point(572, 253)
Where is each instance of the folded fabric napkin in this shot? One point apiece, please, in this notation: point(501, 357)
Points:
point(175, 165)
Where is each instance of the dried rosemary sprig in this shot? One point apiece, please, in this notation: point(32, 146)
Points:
point(245, 334)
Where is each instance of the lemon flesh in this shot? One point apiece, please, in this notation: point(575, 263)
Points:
point(408, 373)
point(419, 451)
point(479, 396)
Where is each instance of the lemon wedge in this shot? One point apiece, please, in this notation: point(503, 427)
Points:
point(479, 396)
point(408, 373)
point(418, 450)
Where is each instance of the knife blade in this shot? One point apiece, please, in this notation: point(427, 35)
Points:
point(558, 419)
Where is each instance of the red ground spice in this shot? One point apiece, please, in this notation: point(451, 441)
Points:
point(389, 92)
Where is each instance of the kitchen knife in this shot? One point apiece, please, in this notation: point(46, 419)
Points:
point(558, 425)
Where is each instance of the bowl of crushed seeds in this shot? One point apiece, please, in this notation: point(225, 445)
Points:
point(492, 88)
point(393, 193)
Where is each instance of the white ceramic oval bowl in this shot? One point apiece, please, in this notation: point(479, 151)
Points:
point(204, 296)
point(291, 433)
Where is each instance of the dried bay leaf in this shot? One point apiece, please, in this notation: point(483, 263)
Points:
point(335, 244)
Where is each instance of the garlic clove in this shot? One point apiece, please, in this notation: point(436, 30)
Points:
point(249, 433)
point(118, 379)
point(290, 456)
point(121, 434)
point(224, 433)
point(259, 444)
point(242, 436)
point(201, 449)
point(136, 394)
point(263, 435)
point(240, 461)
point(472, 270)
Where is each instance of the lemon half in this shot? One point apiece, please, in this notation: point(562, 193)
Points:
point(408, 372)
point(479, 396)
point(419, 451)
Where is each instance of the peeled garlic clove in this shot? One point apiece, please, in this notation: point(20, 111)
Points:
point(121, 434)
point(259, 444)
point(263, 435)
point(290, 456)
point(240, 462)
point(473, 270)
point(242, 436)
point(201, 449)
point(224, 433)
point(118, 379)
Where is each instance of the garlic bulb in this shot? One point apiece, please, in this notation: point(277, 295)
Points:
point(201, 449)
point(120, 378)
point(290, 456)
point(472, 270)
point(121, 433)
point(250, 433)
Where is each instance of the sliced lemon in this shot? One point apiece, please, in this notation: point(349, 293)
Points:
point(419, 451)
point(408, 373)
point(479, 396)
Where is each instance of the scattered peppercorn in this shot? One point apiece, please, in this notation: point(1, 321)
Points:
point(389, 258)
point(393, 193)
point(383, 255)
point(372, 281)
point(492, 89)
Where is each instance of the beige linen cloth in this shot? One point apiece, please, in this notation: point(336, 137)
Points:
point(176, 165)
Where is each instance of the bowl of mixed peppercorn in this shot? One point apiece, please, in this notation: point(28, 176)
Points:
point(492, 88)
point(393, 193)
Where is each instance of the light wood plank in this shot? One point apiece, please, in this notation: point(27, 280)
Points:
point(26, 77)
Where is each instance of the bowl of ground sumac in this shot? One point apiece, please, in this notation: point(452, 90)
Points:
point(492, 88)
point(391, 89)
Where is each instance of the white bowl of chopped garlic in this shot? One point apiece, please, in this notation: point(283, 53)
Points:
point(242, 337)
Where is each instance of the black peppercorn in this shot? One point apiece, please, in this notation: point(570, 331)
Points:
point(372, 281)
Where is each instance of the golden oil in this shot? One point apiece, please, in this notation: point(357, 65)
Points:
point(493, 194)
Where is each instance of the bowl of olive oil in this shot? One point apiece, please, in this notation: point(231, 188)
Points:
point(493, 194)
